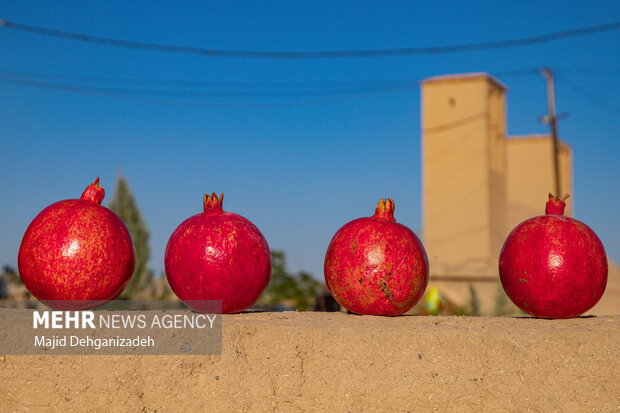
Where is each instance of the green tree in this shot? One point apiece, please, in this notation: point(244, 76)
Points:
point(124, 204)
point(297, 290)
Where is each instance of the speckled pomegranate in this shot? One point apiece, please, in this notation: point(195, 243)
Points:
point(76, 249)
point(217, 255)
point(376, 265)
point(552, 266)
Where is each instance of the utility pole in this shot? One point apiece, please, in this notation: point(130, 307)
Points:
point(552, 120)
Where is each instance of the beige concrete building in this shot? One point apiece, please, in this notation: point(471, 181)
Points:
point(478, 184)
point(529, 176)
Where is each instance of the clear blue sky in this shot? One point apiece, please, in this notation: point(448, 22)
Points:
point(298, 166)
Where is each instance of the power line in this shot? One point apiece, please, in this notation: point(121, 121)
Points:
point(319, 54)
point(196, 94)
point(196, 83)
point(239, 89)
point(176, 89)
point(590, 96)
point(456, 123)
point(211, 103)
point(517, 72)
point(233, 84)
point(589, 71)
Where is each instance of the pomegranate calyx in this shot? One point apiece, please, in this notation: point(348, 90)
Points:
point(385, 210)
point(94, 192)
point(213, 204)
point(555, 205)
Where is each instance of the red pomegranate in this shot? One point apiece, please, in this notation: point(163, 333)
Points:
point(217, 255)
point(552, 266)
point(76, 250)
point(376, 265)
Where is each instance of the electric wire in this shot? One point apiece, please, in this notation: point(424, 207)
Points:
point(317, 54)
point(218, 90)
point(597, 100)
point(197, 83)
point(215, 104)
point(84, 84)
point(205, 93)
point(589, 71)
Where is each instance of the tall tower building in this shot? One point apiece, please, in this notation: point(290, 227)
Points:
point(464, 173)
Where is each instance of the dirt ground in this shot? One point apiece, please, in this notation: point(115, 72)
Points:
point(295, 362)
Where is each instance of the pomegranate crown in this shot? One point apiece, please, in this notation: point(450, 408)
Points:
point(213, 204)
point(93, 192)
point(385, 210)
point(555, 205)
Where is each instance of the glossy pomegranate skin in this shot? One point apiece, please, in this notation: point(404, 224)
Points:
point(217, 255)
point(74, 250)
point(552, 266)
point(376, 266)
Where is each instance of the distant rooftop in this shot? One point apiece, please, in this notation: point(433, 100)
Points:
point(464, 76)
